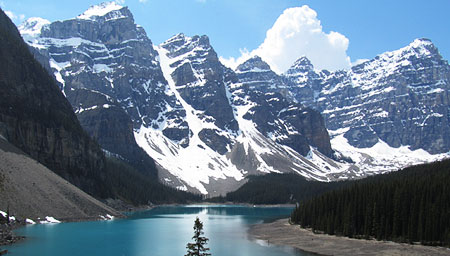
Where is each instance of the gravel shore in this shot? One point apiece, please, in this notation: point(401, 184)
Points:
point(281, 232)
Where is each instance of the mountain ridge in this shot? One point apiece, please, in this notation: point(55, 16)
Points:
point(206, 126)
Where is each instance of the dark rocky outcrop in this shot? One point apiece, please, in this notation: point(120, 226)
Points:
point(215, 141)
point(110, 125)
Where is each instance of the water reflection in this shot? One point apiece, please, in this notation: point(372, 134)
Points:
point(228, 210)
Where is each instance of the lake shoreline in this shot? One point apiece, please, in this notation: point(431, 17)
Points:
point(280, 232)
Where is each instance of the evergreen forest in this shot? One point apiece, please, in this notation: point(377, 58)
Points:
point(411, 205)
point(274, 188)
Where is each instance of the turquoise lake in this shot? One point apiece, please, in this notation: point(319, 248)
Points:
point(161, 231)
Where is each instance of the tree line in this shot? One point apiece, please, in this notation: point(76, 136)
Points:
point(125, 182)
point(411, 205)
point(275, 188)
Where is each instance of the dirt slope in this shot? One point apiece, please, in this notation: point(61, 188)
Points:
point(33, 191)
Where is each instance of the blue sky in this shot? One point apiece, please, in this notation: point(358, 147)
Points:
point(370, 27)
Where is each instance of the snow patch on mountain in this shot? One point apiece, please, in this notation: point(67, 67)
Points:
point(381, 157)
point(32, 27)
point(195, 164)
point(99, 10)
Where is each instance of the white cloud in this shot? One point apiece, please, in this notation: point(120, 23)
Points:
point(234, 62)
point(14, 17)
point(143, 1)
point(201, 1)
point(298, 32)
point(119, 2)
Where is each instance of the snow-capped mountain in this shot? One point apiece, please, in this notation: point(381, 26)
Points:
point(269, 104)
point(225, 142)
point(399, 97)
point(206, 126)
point(109, 71)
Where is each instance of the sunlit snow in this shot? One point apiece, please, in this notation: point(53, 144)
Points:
point(100, 10)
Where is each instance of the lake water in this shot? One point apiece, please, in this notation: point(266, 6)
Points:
point(161, 231)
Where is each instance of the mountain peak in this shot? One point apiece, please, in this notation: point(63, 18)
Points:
point(33, 26)
point(186, 43)
point(422, 46)
point(99, 10)
point(302, 64)
point(253, 64)
point(421, 41)
point(419, 48)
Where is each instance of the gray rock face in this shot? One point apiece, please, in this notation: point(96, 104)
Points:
point(35, 116)
point(400, 97)
point(114, 56)
point(108, 59)
point(199, 78)
point(106, 122)
point(274, 112)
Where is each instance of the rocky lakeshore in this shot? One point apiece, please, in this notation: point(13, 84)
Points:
point(281, 232)
point(7, 235)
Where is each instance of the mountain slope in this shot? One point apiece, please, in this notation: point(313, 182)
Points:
point(33, 191)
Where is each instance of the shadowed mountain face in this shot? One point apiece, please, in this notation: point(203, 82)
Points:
point(35, 116)
point(209, 127)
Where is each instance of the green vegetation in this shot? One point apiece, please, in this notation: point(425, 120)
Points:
point(198, 247)
point(411, 205)
point(276, 188)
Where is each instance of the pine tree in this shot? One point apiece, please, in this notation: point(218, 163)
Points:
point(198, 247)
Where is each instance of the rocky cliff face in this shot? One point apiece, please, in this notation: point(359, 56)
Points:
point(106, 122)
point(399, 97)
point(198, 78)
point(102, 58)
point(275, 114)
point(36, 117)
